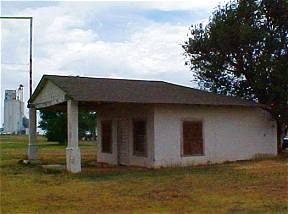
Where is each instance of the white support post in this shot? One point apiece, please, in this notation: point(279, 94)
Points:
point(32, 146)
point(73, 156)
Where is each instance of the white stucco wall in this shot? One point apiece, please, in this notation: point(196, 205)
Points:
point(128, 112)
point(230, 133)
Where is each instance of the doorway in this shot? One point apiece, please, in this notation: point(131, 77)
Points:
point(123, 141)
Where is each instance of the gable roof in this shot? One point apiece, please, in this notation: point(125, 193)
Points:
point(88, 89)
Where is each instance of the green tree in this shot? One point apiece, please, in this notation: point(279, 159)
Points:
point(87, 123)
point(55, 125)
point(243, 51)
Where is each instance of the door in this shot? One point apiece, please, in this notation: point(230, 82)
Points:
point(122, 142)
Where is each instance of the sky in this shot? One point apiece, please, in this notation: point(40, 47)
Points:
point(129, 39)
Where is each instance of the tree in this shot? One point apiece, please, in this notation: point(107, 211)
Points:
point(87, 124)
point(55, 125)
point(243, 51)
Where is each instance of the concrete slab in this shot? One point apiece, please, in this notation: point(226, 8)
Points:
point(57, 167)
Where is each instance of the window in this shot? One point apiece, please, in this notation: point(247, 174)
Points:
point(139, 138)
point(106, 136)
point(192, 138)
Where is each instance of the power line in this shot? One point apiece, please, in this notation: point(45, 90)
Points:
point(16, 70)
point(14, 64)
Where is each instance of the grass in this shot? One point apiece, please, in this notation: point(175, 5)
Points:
point(258, 186)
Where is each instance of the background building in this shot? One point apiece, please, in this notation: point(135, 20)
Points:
point(15, 121)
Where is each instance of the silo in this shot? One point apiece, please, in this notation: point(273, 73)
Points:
point(13, 111)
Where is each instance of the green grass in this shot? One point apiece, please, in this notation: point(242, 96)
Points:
point(258, 186)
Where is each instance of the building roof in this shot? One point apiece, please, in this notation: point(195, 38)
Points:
point(89, 89)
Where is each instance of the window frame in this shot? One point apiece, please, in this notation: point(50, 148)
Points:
point(182, 137)
point(136, 153)
point(111, 133)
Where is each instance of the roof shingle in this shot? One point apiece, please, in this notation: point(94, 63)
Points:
point(136, 91)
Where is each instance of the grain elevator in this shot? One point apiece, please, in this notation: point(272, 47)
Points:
point(14, 111)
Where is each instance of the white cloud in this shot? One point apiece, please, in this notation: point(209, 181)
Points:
point(155, 49)
point(171, 5)
point(148, 54)
point(64, 45)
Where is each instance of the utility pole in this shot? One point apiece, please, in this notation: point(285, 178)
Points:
point(30, 46)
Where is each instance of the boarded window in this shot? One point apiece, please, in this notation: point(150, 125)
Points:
point(139, 138)
point(192, 138)
point(106, 136)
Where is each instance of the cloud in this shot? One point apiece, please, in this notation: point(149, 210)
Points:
point(66, 42)
point(148, 53)
point(172, 5)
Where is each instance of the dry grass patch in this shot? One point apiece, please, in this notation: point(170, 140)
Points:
point(258, 186)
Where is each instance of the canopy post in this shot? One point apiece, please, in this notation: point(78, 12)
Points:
point(32, 146)
point(73, 156)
